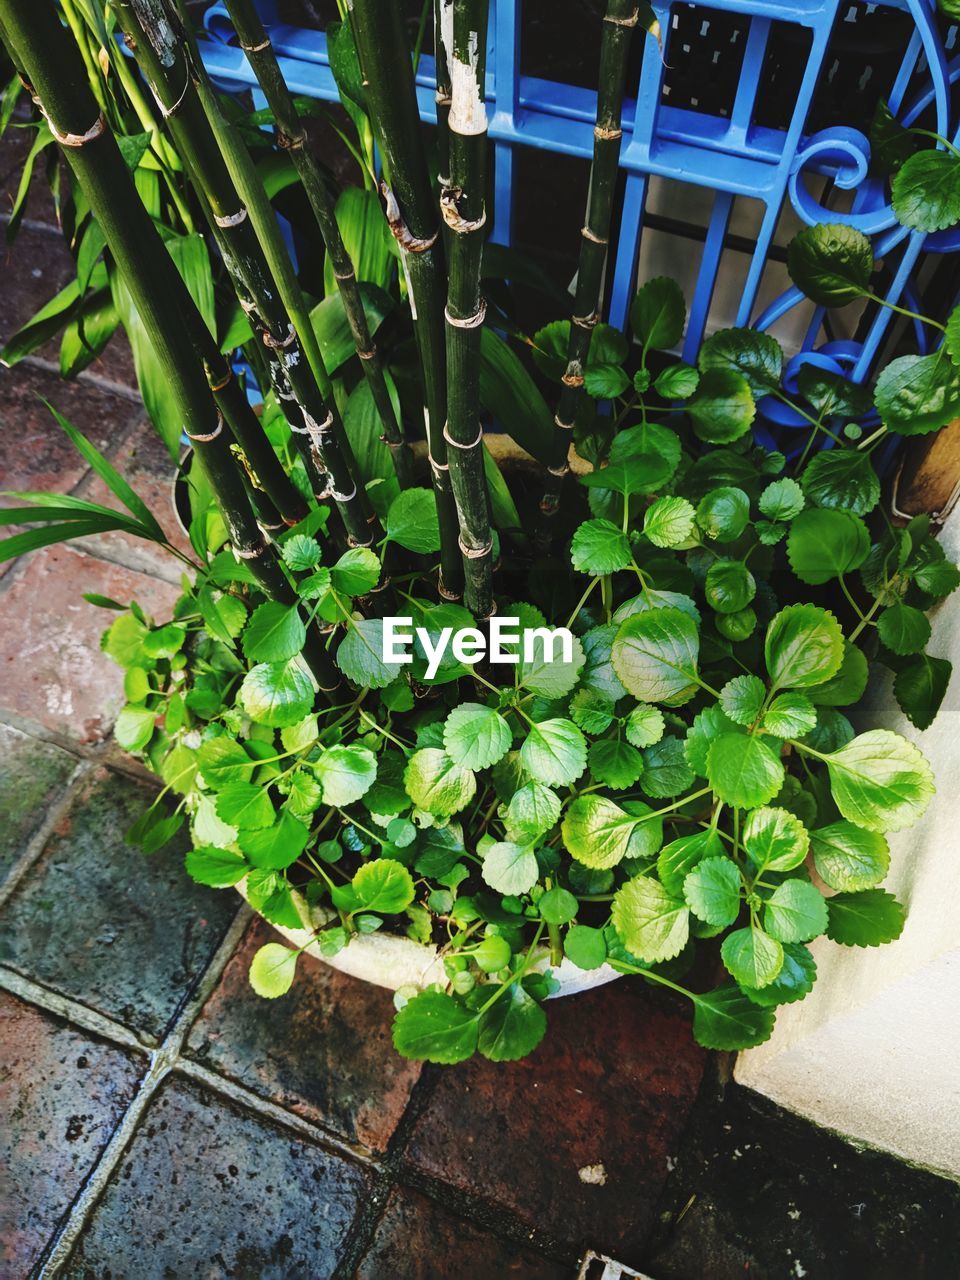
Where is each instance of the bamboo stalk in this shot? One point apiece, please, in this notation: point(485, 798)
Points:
point(49, 61)
point(462, 203)
point(411, 210)
point(619, 21)
point(292, 136)
point(443, 94)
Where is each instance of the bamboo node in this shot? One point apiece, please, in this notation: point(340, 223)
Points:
point(437, 466)
point(590, 235)
point(457, 444)
point(231, 219)
point(549, 505)
point(560, 471)
point(269, 529)
point(250, 553)
point(248, 307)
point(218, 386)
point(475, 553)
point(564, 426)
point(451, 214)
point(345, 275)
point(280, 344)
point(444, 591)
point(587, 322)
point(408, 242)
point(167, 112)
point(368, 355)
point(286, 142)
point(204, 438)
point(606, 135)
point(355, 542)
point(630, 21)
point(572, 379)
point(471, 322)
point(256, 48)
point(77, 140)
point(347, 497)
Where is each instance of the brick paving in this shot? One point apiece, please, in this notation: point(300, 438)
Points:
point(157, 1120)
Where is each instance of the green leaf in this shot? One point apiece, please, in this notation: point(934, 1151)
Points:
point(276, 847)
point(658, 314)
point(604, 381)
point(614, 763)
point(890, 143)
point(599, 834)
point(707, 727)
point(512, 1026)
point(668, 522)
point(557, 906)
point(756, 356)
point(438, 785)
point(795, 912)
point(831, 263)
point(793, 982)
point(346, 773)
point(926, 191)
point(591, 711)
point(866, 919)
point(849, 858)
point(222, 760)
point(545, 671)
point(919, 687)
point(383, 885)
point(412, 521)
point(599, 547)
point(742, 698)
point(729, 586)
point(300, 552)
point(164, 642)
point(476, 736)
point(712, 891)
point(723, 513)
point(510, 868)
point(847, 686)
point(803, 647)
point(644, 725)
point(585, 947)
point(218, 868)
point(245, 805)
point(743, 771)
point(356, 572)
point(843, 480)
point(666, 771)
point(791, 715)
point(652, 924)
point(274, 633)
point(918, 394)
point(641, 460)
point(823, 544)
point(723, 407)
point(677, 382)
point(782, 500)
point(273, 969)
point(134, 726)
point(554, 753)
point(903, 629)
point(434, 1027)
point(655, 655)
point(360, 655)
point(512, 398)
point(277, 693)
point(880, 781)
point(678, 858)
point(752, 956)
point(532, 810)
point(725, 1019)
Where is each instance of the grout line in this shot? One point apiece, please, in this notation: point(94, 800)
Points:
point(79, 1015)
point(35, 845)
point(178, 1030)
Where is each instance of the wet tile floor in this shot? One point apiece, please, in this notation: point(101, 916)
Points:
point(158, 1120)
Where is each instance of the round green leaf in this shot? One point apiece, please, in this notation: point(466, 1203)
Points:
point(668, 522)
point(300, 552)
point(598, 832)
point(274, 633)
point(866, 919)
point(804, 647)
point(346, 773)
point(795, 912)
point(918, 394)
point(842, 479)
point(742, 698)
point(752, 956)
point(476, 736)
point(723, 513)
point(729, 586)
point(218, 868)
point(558, 906)
point(599, 547)
point(775, 839)
point(666, 771)
point(383, 885)
point(273, 969)
point(510, 868)
point(847, 686)
point(554, 752)
point(616, 764)
point(492, 953)
point(644, 725)
point(655, 655)
point(360, 656)
point(658, 314)
point(831, 263)
point(919, 687)
point(244, 805)
point(712, 891)
point(723, 407)
point(725, 1019)
point(438, 785)
point(793, 982)
point(585, 947)
point(790, 715)
point(677, 382)
point(412, 521)
point(532, 810)
point(604, 381)
point(782, 500)
point(880, 781)
point(926, 191)
point(678, 858)
point(512, 1026)
point(743, 771)
point(434, 1027)
point(756, 356)
point(652, 924)
point(823, 544)
point(849, 858)
point(275, 847)
point(134, 726)
point(356, 572)
point(277, 693)
point(903, 629)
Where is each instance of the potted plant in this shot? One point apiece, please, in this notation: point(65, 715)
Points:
point(613, 732)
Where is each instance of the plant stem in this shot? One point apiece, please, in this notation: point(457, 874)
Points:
point(619, 20)
point(51, 63)
point(412, 214)
point(464, 32)
point(292, 137)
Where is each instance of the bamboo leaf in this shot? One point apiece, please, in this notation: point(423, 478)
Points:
point(509, 394)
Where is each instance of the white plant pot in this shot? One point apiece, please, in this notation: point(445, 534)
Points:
point(389, 961)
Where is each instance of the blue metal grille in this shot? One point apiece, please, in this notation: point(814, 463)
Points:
point(726, 151)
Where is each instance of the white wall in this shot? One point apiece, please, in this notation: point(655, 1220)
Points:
point(874, 1050)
